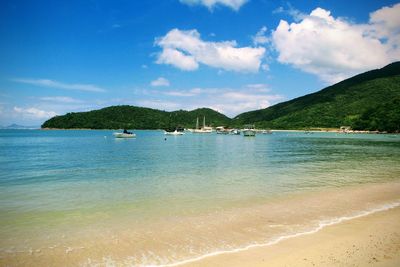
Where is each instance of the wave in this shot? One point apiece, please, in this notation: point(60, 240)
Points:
point(321, 224)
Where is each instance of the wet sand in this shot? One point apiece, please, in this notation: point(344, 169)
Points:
point(372, 240)
point(352, 238)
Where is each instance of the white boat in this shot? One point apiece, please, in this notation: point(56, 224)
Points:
point(124, 135)
point(222, 130)
point(174, 133)
point(204, 129)
point(234, 132)
point(249, 131)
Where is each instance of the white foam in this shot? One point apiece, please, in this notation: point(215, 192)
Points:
point(321, 225)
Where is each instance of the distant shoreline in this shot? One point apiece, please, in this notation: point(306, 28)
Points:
point(321, 130)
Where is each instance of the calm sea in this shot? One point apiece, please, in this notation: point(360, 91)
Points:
point(75, 192)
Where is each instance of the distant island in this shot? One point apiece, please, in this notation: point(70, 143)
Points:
point(368, 101)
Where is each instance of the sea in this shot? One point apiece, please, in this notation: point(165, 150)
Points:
point(85, 198)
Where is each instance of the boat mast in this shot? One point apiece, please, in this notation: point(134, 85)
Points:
point(197, 123)
point(204, 122)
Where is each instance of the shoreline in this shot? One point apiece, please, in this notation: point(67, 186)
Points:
point(322, 130)
point(357, 241)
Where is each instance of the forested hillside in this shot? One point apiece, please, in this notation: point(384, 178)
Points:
point(368, 101)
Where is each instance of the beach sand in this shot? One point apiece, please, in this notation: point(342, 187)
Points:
point(372, 240)
point(351, 239)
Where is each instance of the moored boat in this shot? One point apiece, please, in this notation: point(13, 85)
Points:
point(249, 130)
point(235, 132)
point(204, 129)
point(222, 130)
point(124, 134)
point(176, 132)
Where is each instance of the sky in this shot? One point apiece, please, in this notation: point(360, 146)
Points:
point(230, 55)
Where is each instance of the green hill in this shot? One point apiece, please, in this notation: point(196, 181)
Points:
point(368, 101)
point(130, 117)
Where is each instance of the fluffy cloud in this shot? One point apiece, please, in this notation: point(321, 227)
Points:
point(161, 81)
point(229, 101)
point(334, 48)
point(60, 85)
point(186, 50)
point(34, 113)
point(234, 4)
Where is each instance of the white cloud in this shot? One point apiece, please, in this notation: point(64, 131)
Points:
point(34, 113)
point(388, 17)
point(228, 101)
point(259, 87)
point(186, 50)
point(234, 4)
point(260, 37)
point(335, 49)
point(180, 93)
point(60, 99)
point(60, 85)
point(161, 81)
point(296, 14)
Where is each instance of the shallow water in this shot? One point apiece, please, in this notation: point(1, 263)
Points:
point(83, 197)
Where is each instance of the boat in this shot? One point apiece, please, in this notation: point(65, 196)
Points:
point(204, 129)
point(124, 134)
point(266, 132)
point(222, 130)
point(176, 132)
point(235, 132)
point(249, 131)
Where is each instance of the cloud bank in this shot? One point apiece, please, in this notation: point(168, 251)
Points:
point(186, 50)
point(335, 48)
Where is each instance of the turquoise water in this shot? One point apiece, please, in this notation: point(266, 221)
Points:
point(54, 178)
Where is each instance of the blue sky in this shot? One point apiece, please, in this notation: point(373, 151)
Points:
point(230, 55)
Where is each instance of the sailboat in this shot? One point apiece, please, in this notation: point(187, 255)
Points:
point(204, 129)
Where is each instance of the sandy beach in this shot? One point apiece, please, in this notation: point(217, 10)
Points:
point(353, 226)
point(372, 240)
